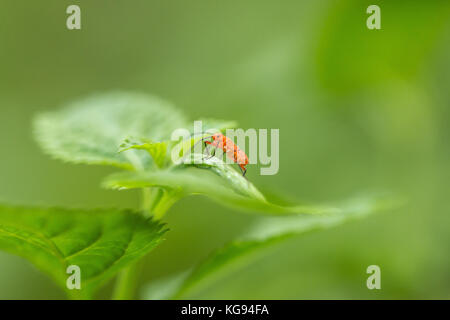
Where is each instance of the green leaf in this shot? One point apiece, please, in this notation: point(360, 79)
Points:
point(263, 234)
point(184, 181)
point(90, 131)
point(100, 242)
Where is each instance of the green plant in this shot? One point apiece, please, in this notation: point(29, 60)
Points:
point(132, 132)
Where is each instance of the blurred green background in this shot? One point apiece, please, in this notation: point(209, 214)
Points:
point(358, 110)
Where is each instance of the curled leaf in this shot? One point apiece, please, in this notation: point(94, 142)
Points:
point(157, 150)
point(184, 181)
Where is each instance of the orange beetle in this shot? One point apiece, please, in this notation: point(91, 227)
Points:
point(220, 141)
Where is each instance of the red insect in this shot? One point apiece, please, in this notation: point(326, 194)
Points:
point(220, 141)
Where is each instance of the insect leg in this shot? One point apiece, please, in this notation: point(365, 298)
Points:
point(200, 141)
point(206, 148)
point(244, 171)
point(212, 154)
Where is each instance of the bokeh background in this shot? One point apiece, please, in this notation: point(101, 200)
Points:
point(358, 110)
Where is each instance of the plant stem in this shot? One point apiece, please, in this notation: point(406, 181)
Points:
point(147, 201)
point(127, 281)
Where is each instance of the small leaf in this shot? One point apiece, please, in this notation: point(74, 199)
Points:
point(265, 233)
point(90, 131)
point(157, 150)
point(100, 242)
